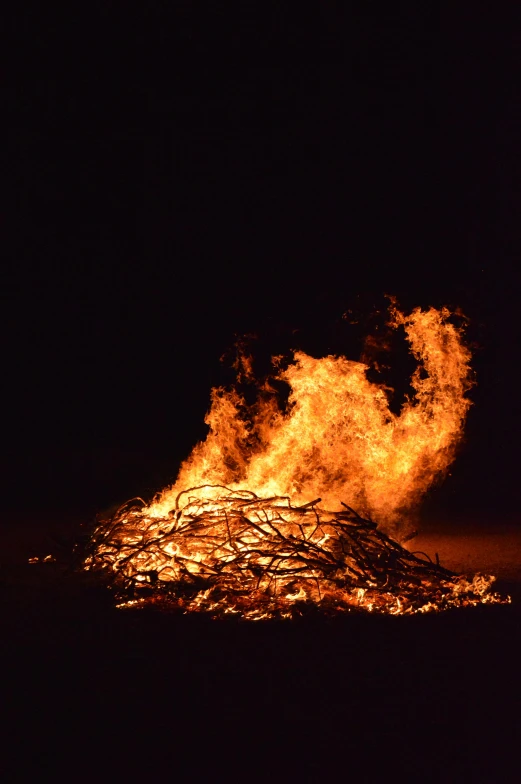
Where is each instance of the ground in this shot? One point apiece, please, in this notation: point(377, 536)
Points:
point(91, 691)
point(475, 547)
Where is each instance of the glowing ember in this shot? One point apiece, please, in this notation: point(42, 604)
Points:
point(231, 552)
point(211, 544)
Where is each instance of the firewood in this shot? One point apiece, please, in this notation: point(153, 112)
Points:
point(221, 551)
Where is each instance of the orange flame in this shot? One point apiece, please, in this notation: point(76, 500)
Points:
point(338, 438)
point(240, 531)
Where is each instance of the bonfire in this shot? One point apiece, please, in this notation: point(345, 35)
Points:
point(225, 552)
point(258, 524)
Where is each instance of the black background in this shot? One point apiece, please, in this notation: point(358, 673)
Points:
point(177, 179)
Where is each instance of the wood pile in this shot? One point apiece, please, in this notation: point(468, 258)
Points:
point(230, 552)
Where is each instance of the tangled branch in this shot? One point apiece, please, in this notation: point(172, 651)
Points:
point(223, 551)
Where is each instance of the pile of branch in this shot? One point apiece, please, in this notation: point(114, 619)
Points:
point(220, 551)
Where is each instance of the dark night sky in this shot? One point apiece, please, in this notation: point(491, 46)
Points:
point(174, 181)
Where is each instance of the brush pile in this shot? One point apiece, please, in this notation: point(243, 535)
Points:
point(221, 551)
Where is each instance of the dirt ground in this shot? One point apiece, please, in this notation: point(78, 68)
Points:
point(475, 549)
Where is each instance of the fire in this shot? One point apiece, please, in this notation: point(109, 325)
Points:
point(338, 438)
point(224, 552)
point(209, 543)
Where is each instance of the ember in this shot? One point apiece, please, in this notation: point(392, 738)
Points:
point(224, 552)
point(209, 543)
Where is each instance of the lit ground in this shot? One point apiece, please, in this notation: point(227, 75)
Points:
point(470, 549)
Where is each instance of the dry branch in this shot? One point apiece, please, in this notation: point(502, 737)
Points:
point(221, 552)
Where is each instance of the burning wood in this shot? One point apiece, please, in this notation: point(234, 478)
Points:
point(221, 551)
point(220, 548)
